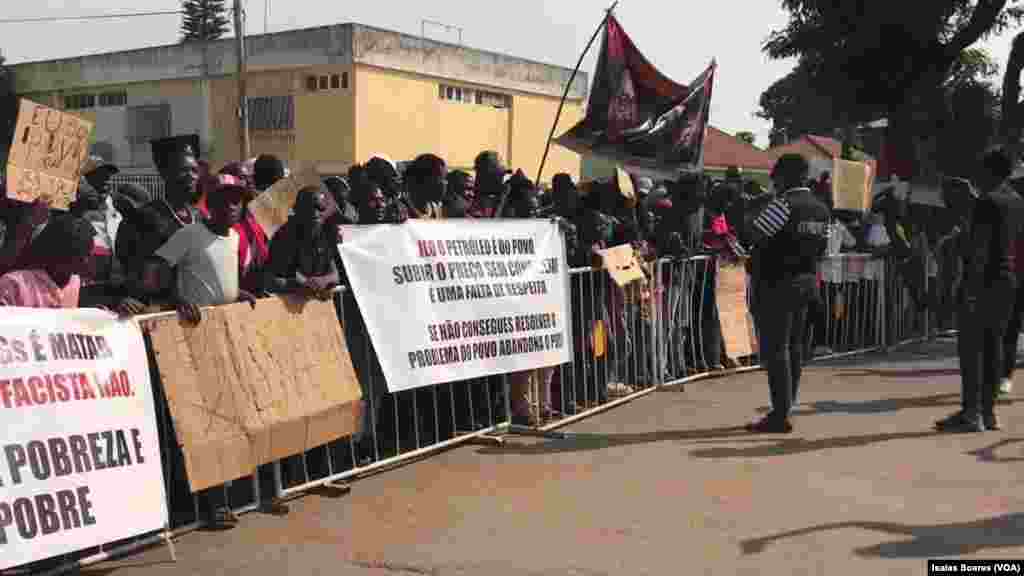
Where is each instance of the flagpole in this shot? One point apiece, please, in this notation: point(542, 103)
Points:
point(568, 86)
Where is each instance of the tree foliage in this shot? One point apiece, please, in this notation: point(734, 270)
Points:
point(795, 107)
point(900, 60)
point(204, 20)
point(1012, 107)
point(867, 54)
point(746, 137)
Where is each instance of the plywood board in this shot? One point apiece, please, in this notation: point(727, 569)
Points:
point(731, 295)
point(248, 386)
point(47, 153)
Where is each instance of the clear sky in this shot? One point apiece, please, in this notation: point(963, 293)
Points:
point(679, 37)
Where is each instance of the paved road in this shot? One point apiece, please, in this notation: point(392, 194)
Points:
point(667, 486)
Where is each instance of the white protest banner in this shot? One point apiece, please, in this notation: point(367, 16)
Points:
point(80, 462)
point(451, 300)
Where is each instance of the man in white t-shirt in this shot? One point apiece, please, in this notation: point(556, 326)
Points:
point(205, 254)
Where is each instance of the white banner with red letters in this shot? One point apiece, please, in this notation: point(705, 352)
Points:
point(79, 451)
point(451, 300)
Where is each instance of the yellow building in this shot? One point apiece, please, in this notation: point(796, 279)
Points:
point(332, 96)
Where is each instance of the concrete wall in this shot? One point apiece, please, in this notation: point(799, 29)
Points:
point(386, 49)
point(308, 47)
point(532, 117)
point(324, 46)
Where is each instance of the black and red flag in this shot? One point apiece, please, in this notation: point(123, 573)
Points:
point(638, 117)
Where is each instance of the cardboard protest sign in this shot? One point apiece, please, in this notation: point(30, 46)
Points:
point(622, 265)
point(454, 300)
point(624, 183)
point(731, 295)
point(81, 464)
point(249, 386)
point(46, 155)
point(272, 207)
point(852, 184)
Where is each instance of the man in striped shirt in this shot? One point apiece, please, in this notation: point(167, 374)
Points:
point(789, 236)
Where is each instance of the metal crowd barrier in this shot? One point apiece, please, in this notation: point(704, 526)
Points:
point(625, 344)
point(152, 182)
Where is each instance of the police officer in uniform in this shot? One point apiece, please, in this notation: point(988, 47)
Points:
point(788, 237)
point(986, 293)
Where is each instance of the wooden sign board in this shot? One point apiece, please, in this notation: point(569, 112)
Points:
point(731, 295)
point(47, 154)
point(272, 206)
point(249, 386)
point(852, 184)
point(622, 265)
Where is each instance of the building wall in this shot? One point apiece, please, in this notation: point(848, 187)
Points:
point(325, 126)
point(402, 115)
point(532, 117)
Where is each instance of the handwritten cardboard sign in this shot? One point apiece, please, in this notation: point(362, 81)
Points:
point(731, 295)
point(47, 154)
point(622, 265)
point(272, 207)
point(851, 185)
point(249, 386)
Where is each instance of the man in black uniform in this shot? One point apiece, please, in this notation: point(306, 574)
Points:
point(789, 236)
point(148, 228)
point(986, 293)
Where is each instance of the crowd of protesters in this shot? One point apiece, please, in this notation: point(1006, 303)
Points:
point(127, 249)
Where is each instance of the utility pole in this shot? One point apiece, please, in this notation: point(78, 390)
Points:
point(243, 104)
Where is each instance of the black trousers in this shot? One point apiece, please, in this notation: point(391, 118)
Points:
point(781, 311)
point(981, 346)
point(1012, 334)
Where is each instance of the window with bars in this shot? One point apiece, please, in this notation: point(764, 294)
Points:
point(272, 113)
point(324, 82)
point(472, 96)
point(79, 101)
point(108, 99)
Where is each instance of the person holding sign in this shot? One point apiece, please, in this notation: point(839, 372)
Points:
point(52, 266)
point(789, 236)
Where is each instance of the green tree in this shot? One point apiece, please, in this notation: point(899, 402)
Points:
point(746, 137)
point(873, 58)
point(204, 20)
point(795, 108)
point(1012, 107)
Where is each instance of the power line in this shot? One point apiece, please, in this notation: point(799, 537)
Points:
point(88, 18)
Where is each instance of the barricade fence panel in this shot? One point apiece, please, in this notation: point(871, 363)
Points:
point(626, 341)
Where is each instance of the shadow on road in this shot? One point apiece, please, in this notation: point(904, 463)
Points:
point(578, 442)
point(791, 446)
point(941, 541)
point(988, 454)
point(879, 406)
